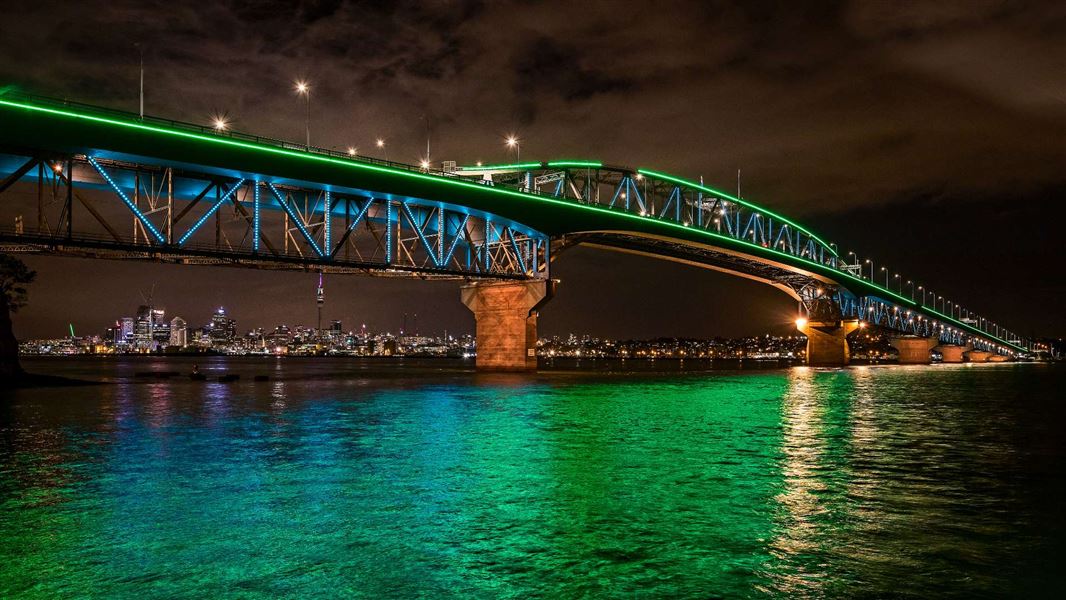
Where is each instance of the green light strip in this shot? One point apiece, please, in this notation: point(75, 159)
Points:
point(587, 164)
point(511, 167)
point(352, 164)
point(726, 196)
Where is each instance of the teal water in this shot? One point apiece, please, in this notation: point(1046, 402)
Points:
point(341, 479)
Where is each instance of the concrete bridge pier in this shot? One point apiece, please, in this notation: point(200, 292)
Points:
point(913, 350)
point(827, 341)
point(950, 353)
point(506, 315)
point(977, 356)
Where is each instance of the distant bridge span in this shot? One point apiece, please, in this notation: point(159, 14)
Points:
point(86, 181)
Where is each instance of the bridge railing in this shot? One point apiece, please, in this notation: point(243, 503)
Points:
point(45, 101)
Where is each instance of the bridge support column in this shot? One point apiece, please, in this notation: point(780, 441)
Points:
point(977, 356)
point(913, 350)
point(506, 315)
point(950, 353)
point(827, 341)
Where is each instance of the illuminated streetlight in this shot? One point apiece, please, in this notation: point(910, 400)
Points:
point(303, 89)
point(352, 151)
point(513, 142)
point(220, 123)
point(381, 144)
point(424, 164)
point(801, 323)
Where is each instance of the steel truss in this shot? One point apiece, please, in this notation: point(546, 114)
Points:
point(181, 215)
point(648, 195)
point(890, 315)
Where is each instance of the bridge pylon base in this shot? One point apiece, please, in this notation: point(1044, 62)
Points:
point(506, 316)
point(977, 356)
point(827, 342)
point(950, 353)
point(914, 350)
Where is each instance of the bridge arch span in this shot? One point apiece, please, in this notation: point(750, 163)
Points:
point(495, 222)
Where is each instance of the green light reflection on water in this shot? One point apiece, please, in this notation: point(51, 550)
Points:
point(785, 483)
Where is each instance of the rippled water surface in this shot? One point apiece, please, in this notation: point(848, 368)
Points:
point(372, 479)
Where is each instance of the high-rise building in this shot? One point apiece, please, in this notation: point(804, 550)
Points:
point(125, 334)
point(179, 335)
point(281, 336)
point(223, 328)
point(150, 329)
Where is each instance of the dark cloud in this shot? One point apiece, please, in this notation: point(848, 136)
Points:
point(827, 107)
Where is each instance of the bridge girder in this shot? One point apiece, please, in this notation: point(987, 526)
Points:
point(256, 224)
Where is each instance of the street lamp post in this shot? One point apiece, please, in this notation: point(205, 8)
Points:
point(303, 89)
point(871, 263)
point(381, 144)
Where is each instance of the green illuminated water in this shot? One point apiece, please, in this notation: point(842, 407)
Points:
point(342, 479)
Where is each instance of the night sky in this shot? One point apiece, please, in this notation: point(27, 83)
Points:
point(930, 136)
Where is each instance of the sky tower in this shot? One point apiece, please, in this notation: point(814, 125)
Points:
point(320, 298)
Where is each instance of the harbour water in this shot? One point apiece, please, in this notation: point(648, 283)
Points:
point(339, 478)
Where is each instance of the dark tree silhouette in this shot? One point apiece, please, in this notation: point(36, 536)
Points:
point(14, 277)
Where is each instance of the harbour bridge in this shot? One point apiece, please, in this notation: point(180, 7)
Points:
point(86, 181)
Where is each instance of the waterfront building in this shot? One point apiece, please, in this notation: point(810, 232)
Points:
point(178, 332)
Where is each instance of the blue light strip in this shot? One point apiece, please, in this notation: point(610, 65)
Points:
point(133, 207)
point(210, 211)
point(440, 234)
point(296, 219)
point(388, 231)
point(425, 243)
point(255, 219)
point(325, 221)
